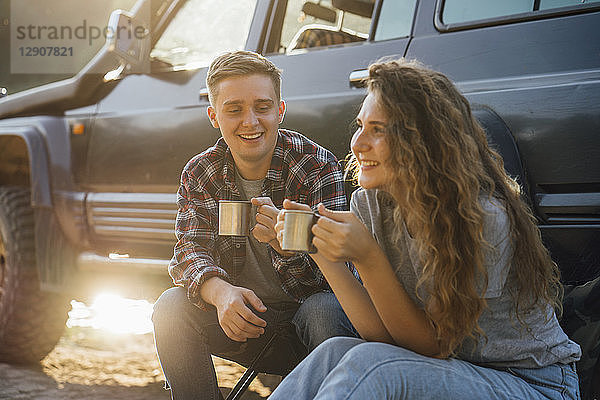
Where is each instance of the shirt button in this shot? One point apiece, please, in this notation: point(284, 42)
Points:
point(237, 246)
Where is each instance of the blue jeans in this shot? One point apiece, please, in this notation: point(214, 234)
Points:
point(350, 368)
point(187, 336)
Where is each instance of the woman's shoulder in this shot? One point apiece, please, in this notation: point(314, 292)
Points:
point(496, 221)
point(492, 205)
point(359, 203)
point(373, 207)
point(360, 195)
point(366, 201)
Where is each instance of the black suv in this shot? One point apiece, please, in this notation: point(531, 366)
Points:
point(89, 166)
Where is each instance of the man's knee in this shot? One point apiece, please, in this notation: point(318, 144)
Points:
point(321, 307)
point(321, 317)
point(169, 307)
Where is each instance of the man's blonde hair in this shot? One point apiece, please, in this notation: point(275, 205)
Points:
point(240, 63)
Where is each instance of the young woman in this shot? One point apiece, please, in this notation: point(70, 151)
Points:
point(459, 295)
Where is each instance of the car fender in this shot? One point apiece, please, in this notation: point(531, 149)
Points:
point(501, 139)
point(37, 154)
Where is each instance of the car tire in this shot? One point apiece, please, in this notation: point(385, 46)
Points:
point(31, 320)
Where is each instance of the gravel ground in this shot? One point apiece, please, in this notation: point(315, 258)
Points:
point(95, 365)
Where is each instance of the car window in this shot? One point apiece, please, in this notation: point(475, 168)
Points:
point(549, 4)
point(460, 11)
point(203, 29)
point(456, 11)
point(395, 19)
point(309, 24)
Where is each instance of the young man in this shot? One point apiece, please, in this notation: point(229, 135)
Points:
point(233, 292)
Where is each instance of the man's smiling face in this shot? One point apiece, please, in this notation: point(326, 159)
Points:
point(248, 112)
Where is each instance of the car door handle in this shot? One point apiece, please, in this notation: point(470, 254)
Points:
point(203, 94)
point(357, 78)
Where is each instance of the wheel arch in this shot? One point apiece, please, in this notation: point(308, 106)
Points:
point(24, 162)
point(502, 140)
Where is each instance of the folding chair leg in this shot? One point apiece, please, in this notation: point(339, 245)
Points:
point(242, 384)
point(246, 379)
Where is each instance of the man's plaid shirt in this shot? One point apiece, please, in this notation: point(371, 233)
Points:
point(301, 170)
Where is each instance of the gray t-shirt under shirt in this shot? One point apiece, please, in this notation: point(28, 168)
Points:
point(258, 273)
point(508, 343)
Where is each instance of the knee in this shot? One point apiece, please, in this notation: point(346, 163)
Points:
point(358, 353)
point(320, 309)
point(169, 307)
point(321, 317)
point(335, 348)
point(320, 300)
point(344, 343)
point(377, 355)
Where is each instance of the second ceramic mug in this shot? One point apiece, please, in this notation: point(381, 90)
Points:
point(297, 233)
point(234, 217)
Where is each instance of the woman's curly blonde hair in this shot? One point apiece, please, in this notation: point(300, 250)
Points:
point(441, 165)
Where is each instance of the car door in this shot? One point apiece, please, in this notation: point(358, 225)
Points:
point(151, 124)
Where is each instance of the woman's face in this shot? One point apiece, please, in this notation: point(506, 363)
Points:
point(370, 146)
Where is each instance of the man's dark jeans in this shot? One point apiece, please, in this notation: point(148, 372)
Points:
point(187, 336)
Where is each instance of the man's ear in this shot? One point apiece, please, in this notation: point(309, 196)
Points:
point(281, 111)
point(212, 116)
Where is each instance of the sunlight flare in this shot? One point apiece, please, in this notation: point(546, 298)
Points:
point(112, 313)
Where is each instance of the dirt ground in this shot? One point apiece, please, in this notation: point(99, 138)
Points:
point(93, 364)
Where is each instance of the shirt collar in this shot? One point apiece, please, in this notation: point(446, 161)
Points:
point(274, 174)
point(229, 168)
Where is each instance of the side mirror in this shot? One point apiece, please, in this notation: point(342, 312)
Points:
point(129, 39)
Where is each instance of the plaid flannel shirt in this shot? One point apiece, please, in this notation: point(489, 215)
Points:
point(300, 170)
